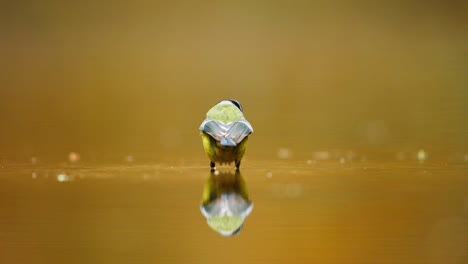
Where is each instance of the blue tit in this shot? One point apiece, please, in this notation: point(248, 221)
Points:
point(226, 203)
point(225, 132)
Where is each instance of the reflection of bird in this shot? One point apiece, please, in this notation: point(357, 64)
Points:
point(226, 203)
point(225, 132)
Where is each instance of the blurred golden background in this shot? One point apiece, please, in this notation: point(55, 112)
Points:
point(112, 78)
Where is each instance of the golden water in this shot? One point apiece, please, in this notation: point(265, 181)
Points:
point(304, 212)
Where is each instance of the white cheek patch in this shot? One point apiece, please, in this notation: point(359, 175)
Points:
point(225, 102)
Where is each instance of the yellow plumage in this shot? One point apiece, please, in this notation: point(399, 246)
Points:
point(220, 154)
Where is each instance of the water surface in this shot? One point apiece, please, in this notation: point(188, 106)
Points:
point(304, 212)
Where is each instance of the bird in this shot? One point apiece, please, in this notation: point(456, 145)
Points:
point(225, 202)
point(225, 133)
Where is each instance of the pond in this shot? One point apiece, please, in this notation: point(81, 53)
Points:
point(275, 211)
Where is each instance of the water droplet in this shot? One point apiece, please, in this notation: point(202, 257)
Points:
point(34, 175)
point(269, 174)
point(73, 157)
point(422, 155)
point(61, 177)
point(342, 160)
point(64, 178)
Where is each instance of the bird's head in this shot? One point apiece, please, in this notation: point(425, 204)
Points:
point(226, 111)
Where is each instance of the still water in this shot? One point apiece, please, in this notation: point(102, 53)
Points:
point(275, 211)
